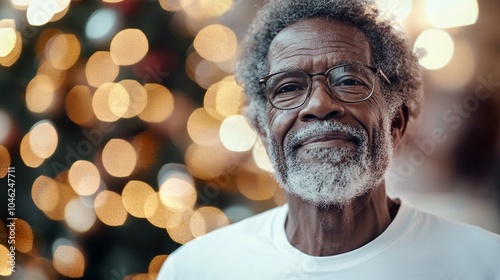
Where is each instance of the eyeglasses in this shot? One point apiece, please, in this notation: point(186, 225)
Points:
point(350, 83)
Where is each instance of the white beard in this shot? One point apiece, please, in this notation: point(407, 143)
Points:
point(332, 176)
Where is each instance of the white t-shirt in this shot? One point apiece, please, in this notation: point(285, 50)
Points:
point(416, 245)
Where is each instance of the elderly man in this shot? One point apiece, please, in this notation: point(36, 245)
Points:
point(331, 88)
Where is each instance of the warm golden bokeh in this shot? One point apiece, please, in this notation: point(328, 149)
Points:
point(172, 5)
point(4, 261)
point(223, 99)
point(28, 156)
point(101, 69)
point(160, 215)
point(134, 196)
point(84, 177)
point(40, 94)
point(45, 193)
point(201, 9)
point(206, 162)
point(63, 51)
point(137, 96)
point(4, 161)
point(181, 233)
point(178, 194)
point(79, 216)
point(216, 43)
point(24, 236)
point(109, 208)
point(205, 73)
point(119, 158)
point(203, 128)
point(256, 186)
point(66, 194)
point(79, 105)
point(206, 219)
point(7, 36)
point(57, 76)
point(260, 157)
point(102, 102)
point(69, 261)
point(160, 103)
point(156, 263)
point(236, 134)
point(129, 46)
point(11, 46)
point(43, 139)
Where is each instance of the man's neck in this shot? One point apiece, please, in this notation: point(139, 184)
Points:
point(332, 230)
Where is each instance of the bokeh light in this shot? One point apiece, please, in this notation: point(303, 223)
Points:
point(84, 177)
point(109, 208)
point(206, 219)
point(24, 236)
point(256, 186)
point(178, 194)
point(156, 263)
point(439, 48)
point(129, 46)
point(261, 158)
point(216, 43)
point(43, 139)
point(119, 158)
point(206, 162)
point(40, 94)
point(134, 196)
point(459, 71)
point(69, 261)
point(79, 105)
point(203, 128)
point(4, 261)
point(4, 161)
point(236, 134)
point(137, 99)
point(223, 99)
point(399, 9)
point(63, 51)
point(101, 24)
point(101, 101)
point(7, 37)
point(45, 193)
point(160, 103)
point(27, 154)
point(200, 9)
point(78, 216)
point(101, 69)
point(450, 13)
point(182, 232)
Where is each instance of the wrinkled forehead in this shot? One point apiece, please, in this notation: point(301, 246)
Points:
point(320, 35)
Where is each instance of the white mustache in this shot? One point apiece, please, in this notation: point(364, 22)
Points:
point(317, 129)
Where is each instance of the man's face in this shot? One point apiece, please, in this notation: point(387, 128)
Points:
point(326, 151)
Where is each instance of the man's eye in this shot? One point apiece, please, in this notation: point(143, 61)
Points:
point(350, 82)
point(290, 88)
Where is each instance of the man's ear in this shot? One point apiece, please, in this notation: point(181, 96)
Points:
point(398, 125)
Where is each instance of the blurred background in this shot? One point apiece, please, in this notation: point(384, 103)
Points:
point(121, 122)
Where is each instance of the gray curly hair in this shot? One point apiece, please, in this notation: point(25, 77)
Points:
point(391, 51)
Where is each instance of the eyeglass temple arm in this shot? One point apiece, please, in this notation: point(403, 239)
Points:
point(384, 76)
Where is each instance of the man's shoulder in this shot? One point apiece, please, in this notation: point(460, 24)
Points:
point(470, 237)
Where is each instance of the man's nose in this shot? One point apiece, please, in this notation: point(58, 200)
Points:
point(322, 103)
